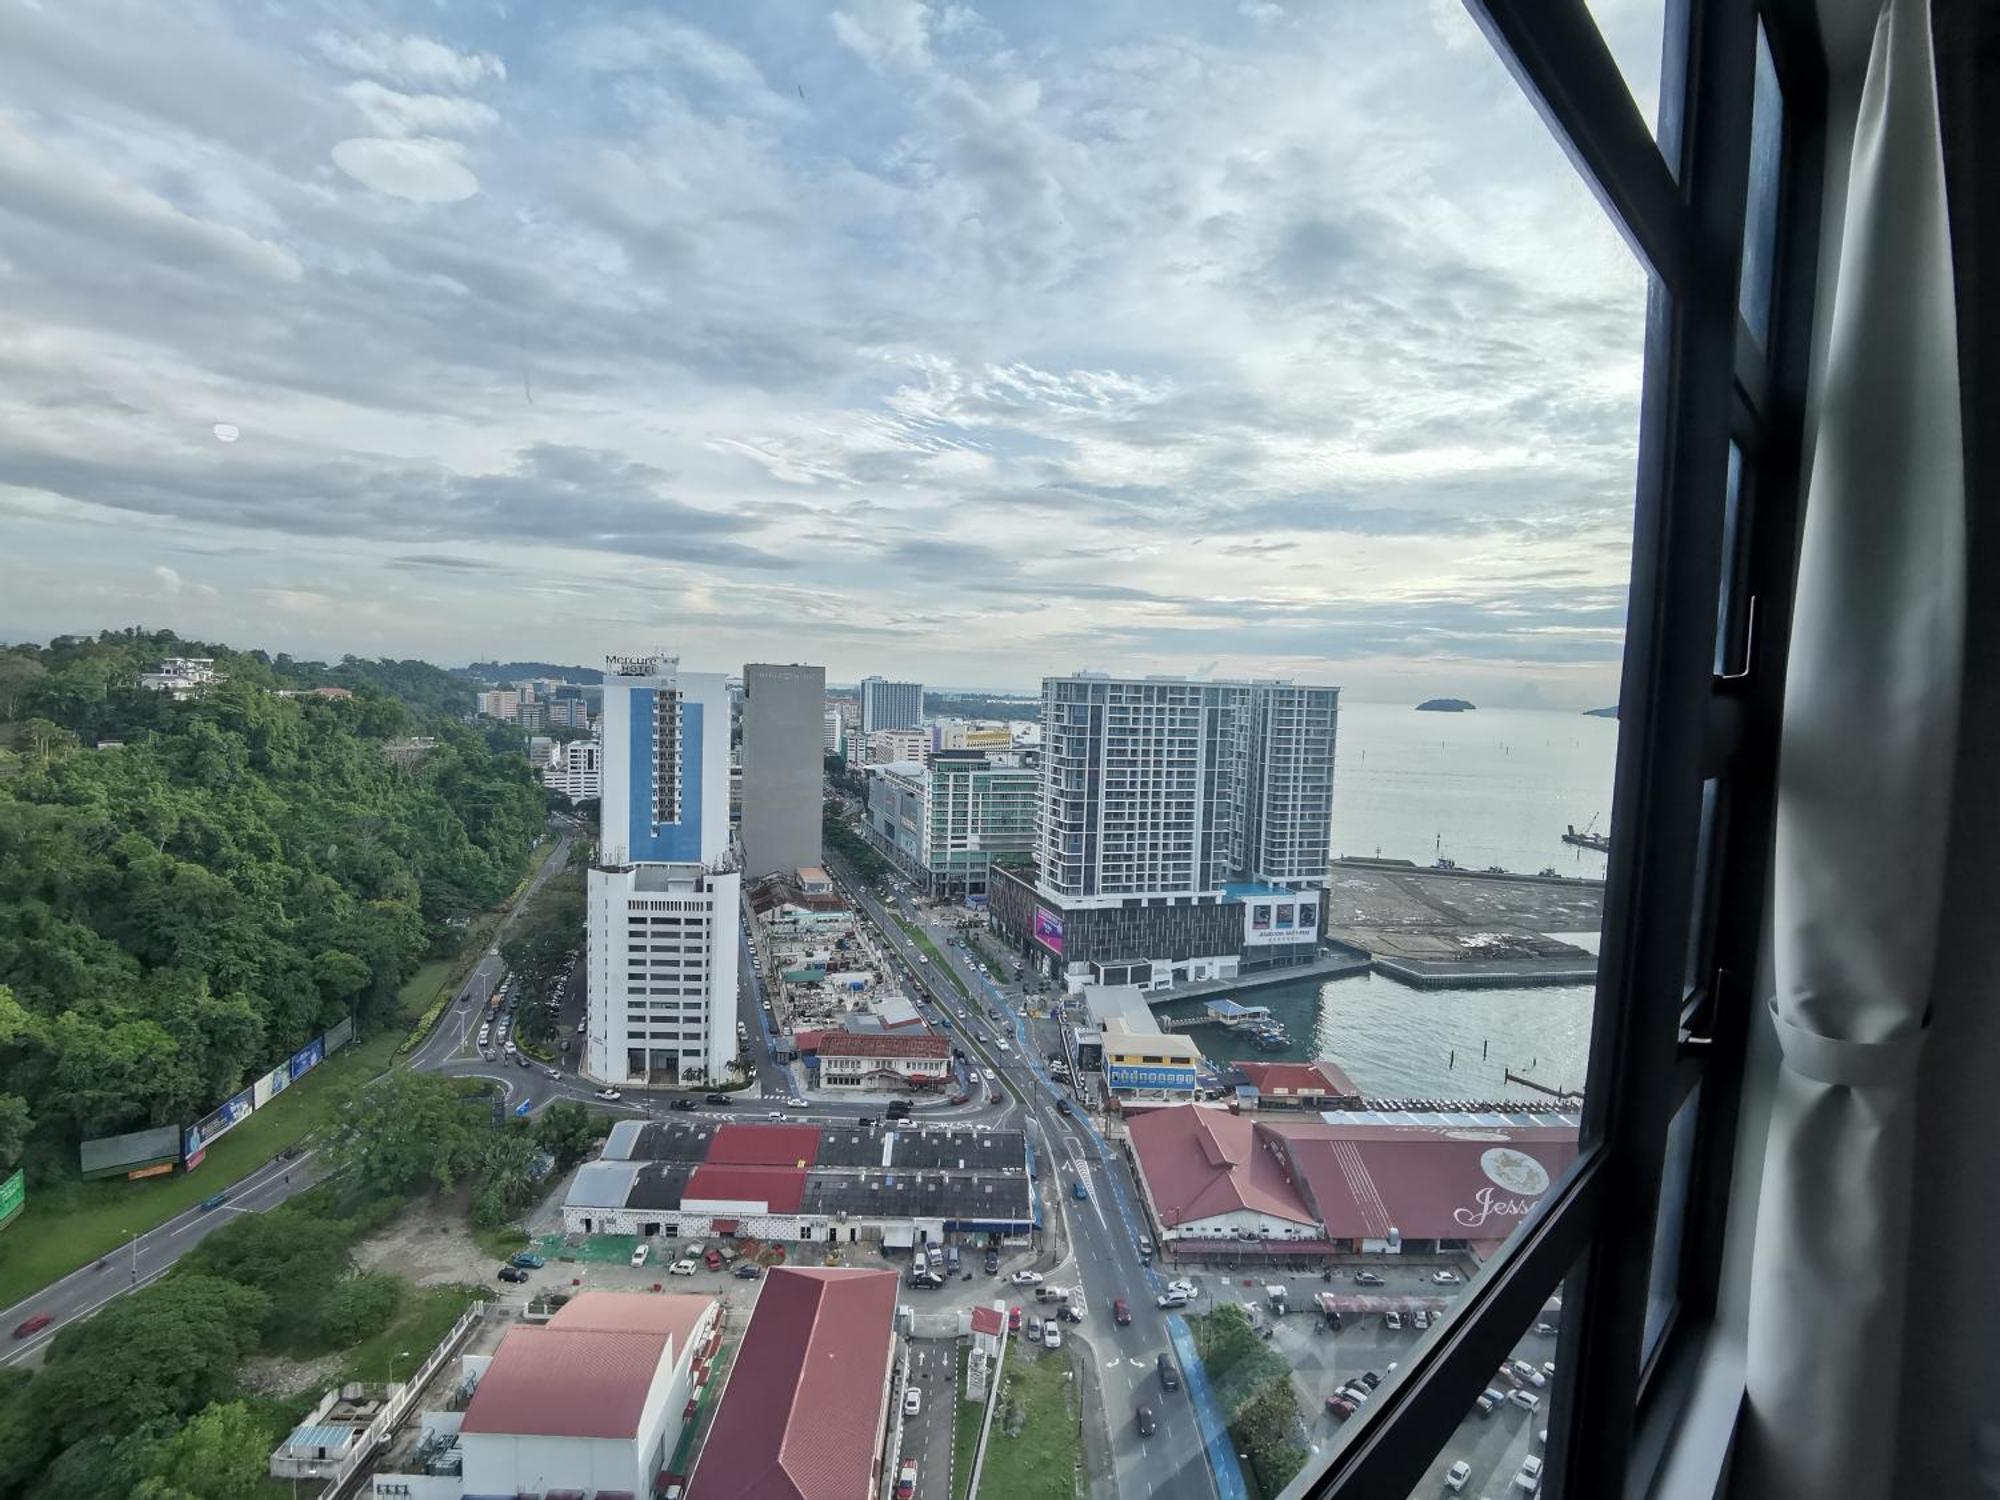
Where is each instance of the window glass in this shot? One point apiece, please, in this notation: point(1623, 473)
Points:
point(1634, 31)
point(1676, 1174)
point(1501, 1444)
point(1760, 226)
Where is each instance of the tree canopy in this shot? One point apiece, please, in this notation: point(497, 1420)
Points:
point(183, 911)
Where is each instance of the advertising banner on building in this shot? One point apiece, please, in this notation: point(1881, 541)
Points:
point(1049, 930)
point(13, 1196)
point(307, 1058)
point(1285, 915)
point(1129, 1076)
point(157, 1169)
point(203, 1133)
point(1260, 918)
point(272, 1084)
point(1308, 918)
point(339, 1035)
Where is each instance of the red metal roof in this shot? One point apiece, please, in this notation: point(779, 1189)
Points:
point(1203, 1162)
point(547, 1381)
point(881, 1044)
point(764, 1146)
point(781, 1189)
point(802, 1414)
point(674, 1314)
point(988, 1320)
point(1296, 1078)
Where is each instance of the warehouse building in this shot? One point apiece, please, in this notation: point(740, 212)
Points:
point(897, 1185)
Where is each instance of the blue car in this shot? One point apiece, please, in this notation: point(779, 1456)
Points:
point(527, 1260)
point(1077, 1189)
point(208, 1204)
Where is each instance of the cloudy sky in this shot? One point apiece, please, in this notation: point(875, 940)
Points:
point(960, 341)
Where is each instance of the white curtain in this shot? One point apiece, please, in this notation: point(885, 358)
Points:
point(1871, 711)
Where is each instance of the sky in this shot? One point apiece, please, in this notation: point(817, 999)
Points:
point(956, 342)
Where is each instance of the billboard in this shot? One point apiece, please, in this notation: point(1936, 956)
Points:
point(1260, 918)
point(1131, 1076)
point(1308, 916)
point(13, 1194)
point(267, 1088)
point(1285, 915)
point(111, 1154)
point(339, 1035)
point(307, 1058)
point(1049, 930)
point(203, 1133)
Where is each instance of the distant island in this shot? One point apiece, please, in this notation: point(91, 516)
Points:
point(1444, 706)
point(1601, 713)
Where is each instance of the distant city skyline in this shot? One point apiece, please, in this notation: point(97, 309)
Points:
point(887, 329)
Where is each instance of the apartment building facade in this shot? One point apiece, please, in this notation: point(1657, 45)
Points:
point(890, 705)
point(947, 822)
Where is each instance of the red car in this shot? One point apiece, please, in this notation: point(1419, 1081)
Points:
point(28, 1327)
point(1121, 1310)
point(714, 1261)
point(1013, 1320)
point(1341, 1407)
point(906, 1480)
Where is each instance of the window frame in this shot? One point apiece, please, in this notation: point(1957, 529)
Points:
point(1658, 1031)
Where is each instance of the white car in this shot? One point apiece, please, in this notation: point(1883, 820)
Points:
point(1457, 1474)
point(1171, 1299)
point(796, 1102)
point(641, 1254)
point(1026, 1278)
point(1184, 1287)
point(913, 1401)
point(1526, 1400)
point(681, 1268)
point(1446, 1278)
point(510, 1049)
point(1051, 1335)
point(1530, 1476)
point(579, 1028)
point(609, 1094)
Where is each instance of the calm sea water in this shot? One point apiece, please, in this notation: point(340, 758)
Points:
point(1490, 787)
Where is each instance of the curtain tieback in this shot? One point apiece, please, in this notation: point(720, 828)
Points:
point(1849, 1064)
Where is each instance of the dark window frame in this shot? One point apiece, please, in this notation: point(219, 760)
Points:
point(1679, 883)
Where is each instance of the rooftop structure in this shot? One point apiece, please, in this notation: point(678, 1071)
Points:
point(805, 1408)
point(1314, 1084)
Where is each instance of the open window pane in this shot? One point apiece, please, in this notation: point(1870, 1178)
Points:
point(1760, 227)
point(1634, 31)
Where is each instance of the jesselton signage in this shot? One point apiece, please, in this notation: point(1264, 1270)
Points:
point(1516, 1180)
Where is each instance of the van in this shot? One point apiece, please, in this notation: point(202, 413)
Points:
point(951, 1258)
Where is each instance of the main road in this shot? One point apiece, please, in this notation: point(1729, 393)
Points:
point(1104, 1227)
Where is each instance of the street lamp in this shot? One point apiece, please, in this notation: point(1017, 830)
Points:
point(133, 1236)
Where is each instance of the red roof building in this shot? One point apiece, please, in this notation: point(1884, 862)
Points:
point(749, 1190)
point(591, 1400)
point(1210, 1174)
point(1315, 1084)
point(806, 1405)
point(764, 1146)
point(882, 1044)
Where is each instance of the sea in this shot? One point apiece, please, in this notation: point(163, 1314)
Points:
point(1483, 788)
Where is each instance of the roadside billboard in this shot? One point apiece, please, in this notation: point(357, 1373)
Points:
point(111, 1155)
point(339, 1035)
point(267, 1088)
point(307, 1058)
point(1049, 930)
point(13, 1196)
point(204, 1133)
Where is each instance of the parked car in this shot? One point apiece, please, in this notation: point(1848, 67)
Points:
point(524, 1061)
point(712, 1259)
point(1146, 1420)
point(992, 1262)
point(1013, 1320)
point(1370, 1379)
point(913, 1401)
point(1171, 1299)
point(609, 1094)
point(928, 1281)
point(1339, 1406)
point(30, 1326)
point(1034, 1330)
point(682, 1268)
point(1420, 1319)
point(641, 1254)
point(1367, 1278)
point(1026, 1278)
point(1051, 1335)
point(1170, 1375)
point(1067, 1314)
point(1530, 1476)
point(1457, 1474)
point(1526, 1400)
point(906, 1480)
point(1121, 1311)
point(513, 1273)
point(1392, 1320)
point(1529, 1373)
point(1446, 1278)
point(579, 1028)
point(1356, 1392)
point(1185, 1287)
point(748, 1271)
point(528, 1260)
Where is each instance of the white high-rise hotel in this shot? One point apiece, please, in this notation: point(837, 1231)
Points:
point(664, 893)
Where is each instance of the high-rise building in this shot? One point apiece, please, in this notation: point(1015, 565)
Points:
point(784, 710)
point(1184, 830)
point(947, 822)
point(664, 896)
point(575, 769)
point(886, 745)
point(890, 705)
point(835, 742)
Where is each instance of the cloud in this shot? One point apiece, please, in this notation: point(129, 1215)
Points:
point(641, 43)
point(886, 33)
point(391, 113)
point(423, 171)
point(408, 59)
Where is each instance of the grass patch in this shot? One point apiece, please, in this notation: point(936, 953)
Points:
point(965, 1421)
point(1037, 1440)
point(426, 1317)
point(500, 1243)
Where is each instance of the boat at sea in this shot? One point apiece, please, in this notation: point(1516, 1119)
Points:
point(1600, 842)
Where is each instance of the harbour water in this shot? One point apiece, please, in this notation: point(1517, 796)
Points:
point(1488, 787)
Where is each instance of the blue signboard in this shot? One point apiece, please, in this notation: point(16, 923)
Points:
point(1125, 1076)
point(307, 1058)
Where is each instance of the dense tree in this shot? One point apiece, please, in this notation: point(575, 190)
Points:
point(510, 1170)
point(358, 1306)
point(111, 1463)
point(223, 1454)
point(549, 932)
point(407, 1131)
point(293, 1257)
point(569, 1132)
point(181, 913)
